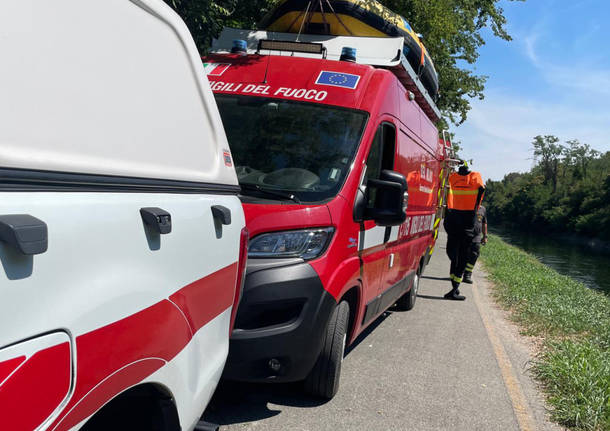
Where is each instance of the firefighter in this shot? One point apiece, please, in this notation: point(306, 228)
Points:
point(479, 239)
point(465, 195)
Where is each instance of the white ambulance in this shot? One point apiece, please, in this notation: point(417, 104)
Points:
point(122, 240)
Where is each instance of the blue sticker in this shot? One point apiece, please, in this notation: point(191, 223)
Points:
point(338, 79)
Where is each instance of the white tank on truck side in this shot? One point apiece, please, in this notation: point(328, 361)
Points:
point(122, 240)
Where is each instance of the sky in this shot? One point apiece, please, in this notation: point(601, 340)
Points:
point(552, 78)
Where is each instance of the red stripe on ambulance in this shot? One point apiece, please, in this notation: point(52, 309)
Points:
point(112, 358)
point(16, 393)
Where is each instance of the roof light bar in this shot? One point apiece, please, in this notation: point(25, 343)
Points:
point(348, 54)
point(239, 46)
point(284, 45)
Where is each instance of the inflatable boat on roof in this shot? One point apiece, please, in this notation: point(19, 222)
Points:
point(353, 18)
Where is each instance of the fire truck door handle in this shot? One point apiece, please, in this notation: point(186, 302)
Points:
point(25, 233)
point(223, 214)
point(157, 219)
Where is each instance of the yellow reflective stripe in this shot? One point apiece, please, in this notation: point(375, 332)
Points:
point(436, 223)
point(456, 278)
point(463, 192)
point(469, 265)
point(431, 251)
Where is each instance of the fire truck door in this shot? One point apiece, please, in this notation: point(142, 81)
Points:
point(373, 238)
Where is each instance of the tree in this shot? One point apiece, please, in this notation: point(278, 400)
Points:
point(548, 152)
point(580, 156)
point(452, 31)
point(452, 34)
point(580, 202)
point(206, 18)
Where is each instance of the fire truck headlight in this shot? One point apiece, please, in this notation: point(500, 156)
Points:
point(306, 244)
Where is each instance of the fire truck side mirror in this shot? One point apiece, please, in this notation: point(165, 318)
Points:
point(389, 197)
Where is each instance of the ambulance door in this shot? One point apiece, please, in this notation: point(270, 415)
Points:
point(373, 238)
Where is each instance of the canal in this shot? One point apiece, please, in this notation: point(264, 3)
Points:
point(575, 260)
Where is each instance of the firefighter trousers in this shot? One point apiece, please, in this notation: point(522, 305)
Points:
point(458, 248)
point(473, 254)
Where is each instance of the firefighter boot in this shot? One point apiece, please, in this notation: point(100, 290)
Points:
point(455, 292)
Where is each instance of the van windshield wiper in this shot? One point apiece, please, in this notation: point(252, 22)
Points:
point(274, 193)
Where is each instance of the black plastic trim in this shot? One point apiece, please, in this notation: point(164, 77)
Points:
point(283, 314)
point(222, 213)
point(387, 298)
point(19, 180)
point(157, 219)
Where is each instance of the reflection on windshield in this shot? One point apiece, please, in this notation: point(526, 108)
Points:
point(302, 148)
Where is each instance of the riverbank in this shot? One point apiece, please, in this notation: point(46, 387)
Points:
point(573, 364)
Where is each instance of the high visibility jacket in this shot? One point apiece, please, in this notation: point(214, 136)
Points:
point(464, 191)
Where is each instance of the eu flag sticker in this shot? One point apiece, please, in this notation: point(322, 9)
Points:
point(338, 79)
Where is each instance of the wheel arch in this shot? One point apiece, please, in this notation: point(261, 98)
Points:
point(146, 403)
point(353, 297)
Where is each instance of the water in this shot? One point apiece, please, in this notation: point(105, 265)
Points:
point(574, 260)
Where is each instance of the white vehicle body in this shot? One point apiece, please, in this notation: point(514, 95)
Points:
point(105, 111)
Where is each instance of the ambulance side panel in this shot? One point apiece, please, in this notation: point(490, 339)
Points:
point(108, 122)
point(127, 300)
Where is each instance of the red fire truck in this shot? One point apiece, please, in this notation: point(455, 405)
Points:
point(332, 139)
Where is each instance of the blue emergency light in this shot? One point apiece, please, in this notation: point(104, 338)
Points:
point(348, 54)
point(239, 46)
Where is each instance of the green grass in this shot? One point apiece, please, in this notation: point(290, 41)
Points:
point(574, 366)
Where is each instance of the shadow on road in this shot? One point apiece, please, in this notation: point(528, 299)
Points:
point(427, 277)
point(236, 402)
point(432, 297)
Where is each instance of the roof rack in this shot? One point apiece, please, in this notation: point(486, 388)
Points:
point(383, 52)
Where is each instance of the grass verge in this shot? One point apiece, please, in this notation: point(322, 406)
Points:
point(574, 366)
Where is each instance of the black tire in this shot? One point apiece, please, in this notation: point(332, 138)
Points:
point(407, 301)
point(323, 379)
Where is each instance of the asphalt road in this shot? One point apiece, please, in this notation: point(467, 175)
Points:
point(436, 367)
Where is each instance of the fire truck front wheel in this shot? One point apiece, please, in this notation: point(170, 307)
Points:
point(323, 380)
point(407, 301)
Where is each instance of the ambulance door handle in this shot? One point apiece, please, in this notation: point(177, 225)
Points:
point(157, 219)
point(27, 234)
point(223, 214)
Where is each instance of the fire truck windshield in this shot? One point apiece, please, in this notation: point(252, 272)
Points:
point(301, 149)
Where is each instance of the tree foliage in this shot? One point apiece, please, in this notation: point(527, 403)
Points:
point(568, 190)
point(452, 31)
point(547, 151)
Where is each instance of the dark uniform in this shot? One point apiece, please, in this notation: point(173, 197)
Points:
point(465, 195)
point(475, 246)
